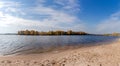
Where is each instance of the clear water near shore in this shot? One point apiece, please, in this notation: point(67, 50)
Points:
point(12, 44)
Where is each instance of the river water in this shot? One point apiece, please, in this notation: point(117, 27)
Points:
point(15, 44)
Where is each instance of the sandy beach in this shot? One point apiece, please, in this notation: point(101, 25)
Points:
point(101, 55)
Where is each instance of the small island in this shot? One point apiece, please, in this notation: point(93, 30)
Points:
point(58, 32)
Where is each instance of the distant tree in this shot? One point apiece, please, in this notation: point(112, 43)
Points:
point(32, 32)
point(51, 33)
point(82, 33)
point(113, 34)
point(58, 32)
point(27, 32)
point(42, 33)
point(36, 33)
point(19, 32)
point(116, 34)
point(69, 32)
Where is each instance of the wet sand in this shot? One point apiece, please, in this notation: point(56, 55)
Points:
point(101, 55)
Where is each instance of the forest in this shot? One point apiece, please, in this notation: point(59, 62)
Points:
point(58, 32)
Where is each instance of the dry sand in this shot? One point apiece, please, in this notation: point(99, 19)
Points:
point(102, 55)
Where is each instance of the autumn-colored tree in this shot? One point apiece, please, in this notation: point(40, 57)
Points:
point(32, 32)
point(27, 32)
point(116, 34)
point(42, 33)
point(82, 33)
point(51, 33)
point(36, 33)
point(21, 32)
point(69, 32)
point(58, 32)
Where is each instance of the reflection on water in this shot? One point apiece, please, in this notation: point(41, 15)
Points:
point(10, 44)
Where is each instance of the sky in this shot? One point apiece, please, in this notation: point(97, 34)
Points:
point(92, 16)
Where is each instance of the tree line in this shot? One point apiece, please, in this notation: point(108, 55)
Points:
point(58, 32)
point(113, 34)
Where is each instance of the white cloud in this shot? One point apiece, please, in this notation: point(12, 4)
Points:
point(11, 7)
point(15, 23)
point(68, 6)
point(9, 4)
point(110, 25)
point(54, 20)
point(54, 15)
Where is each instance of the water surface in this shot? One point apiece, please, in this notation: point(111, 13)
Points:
point(12, 44)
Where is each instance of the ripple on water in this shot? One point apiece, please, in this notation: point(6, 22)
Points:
point(11, 44)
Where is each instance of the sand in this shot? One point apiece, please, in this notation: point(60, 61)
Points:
point(101, 55)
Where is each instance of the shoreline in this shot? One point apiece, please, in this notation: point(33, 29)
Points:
point(100, 55)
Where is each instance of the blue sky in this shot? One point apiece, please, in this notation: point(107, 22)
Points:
point(93, 16)
point(97, 10)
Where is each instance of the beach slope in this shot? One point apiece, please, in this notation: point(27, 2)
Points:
point(101, 55)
